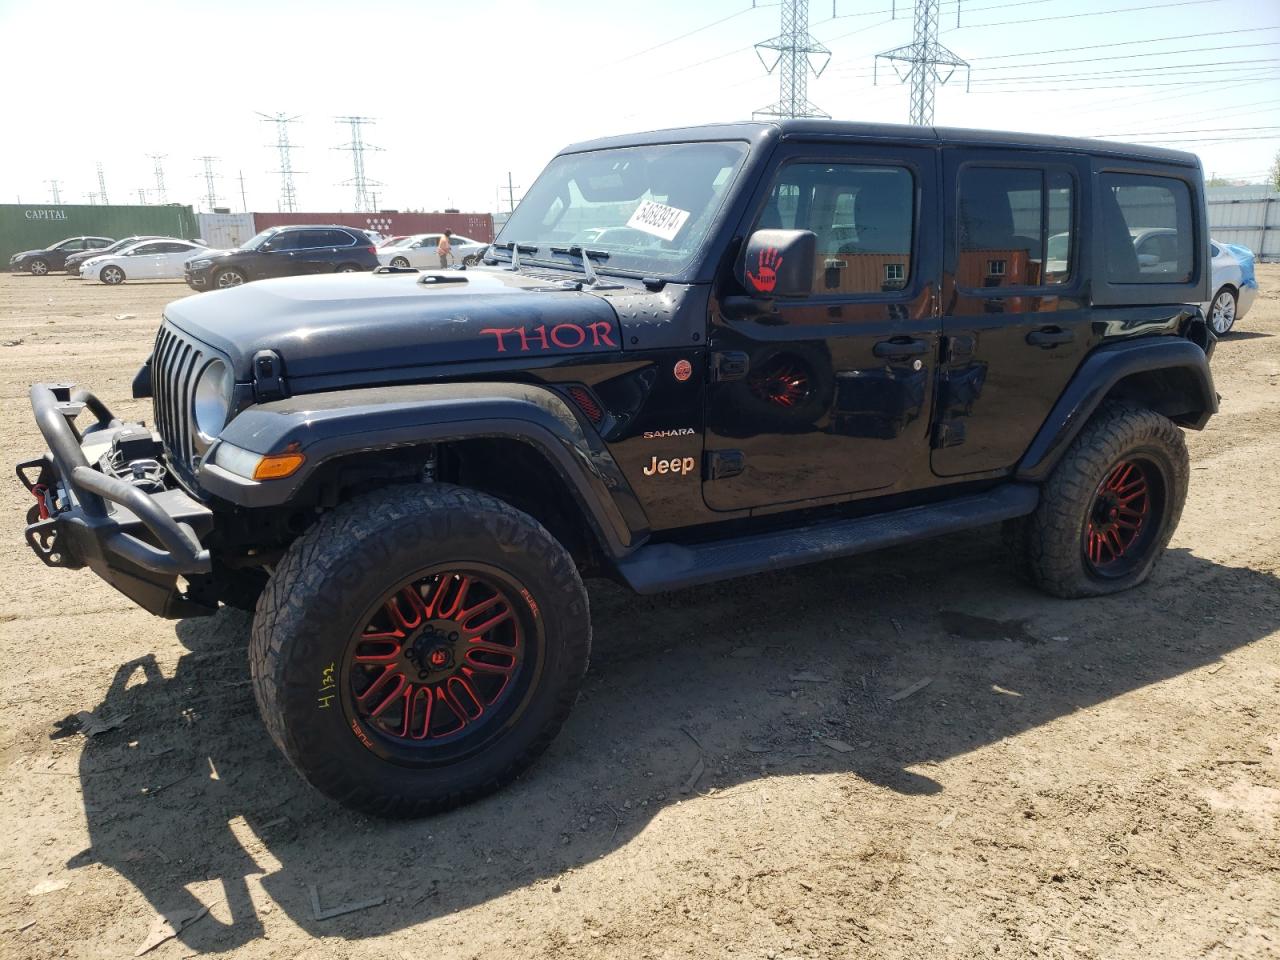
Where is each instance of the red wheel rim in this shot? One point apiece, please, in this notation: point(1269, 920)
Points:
point(440, 660)
point(1120, 519)
point(785, 384)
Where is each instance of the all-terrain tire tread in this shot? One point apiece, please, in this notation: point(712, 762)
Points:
point(1046, 546)
point(312, 560)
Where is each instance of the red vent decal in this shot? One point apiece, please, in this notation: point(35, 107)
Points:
point(587, 403)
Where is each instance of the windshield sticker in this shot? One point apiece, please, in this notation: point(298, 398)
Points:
point(658, 219)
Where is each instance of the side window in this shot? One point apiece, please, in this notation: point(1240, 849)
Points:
point(172, 247)
point(97, 243)
point(285, 241)
point(1016, 225)
point(72, 245)
point(862, 215)
point(338, 238)
point(148, 248)
point(1147, 228)
point(310, 239)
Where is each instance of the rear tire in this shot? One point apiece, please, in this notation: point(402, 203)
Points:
point(1222, 312)
point(360, 600)
point(399, 262)
point(1109, 508)
point(349, 268)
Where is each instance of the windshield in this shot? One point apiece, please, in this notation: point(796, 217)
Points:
point(648, 209)
point(254, 243)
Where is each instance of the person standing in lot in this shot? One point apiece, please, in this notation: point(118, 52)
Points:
point(444, 248)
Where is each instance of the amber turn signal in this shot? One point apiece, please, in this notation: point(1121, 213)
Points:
point(277, 466)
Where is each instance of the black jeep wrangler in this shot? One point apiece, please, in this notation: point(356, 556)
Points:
point(690, 355)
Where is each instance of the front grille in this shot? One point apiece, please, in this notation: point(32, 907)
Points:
point(175, 364)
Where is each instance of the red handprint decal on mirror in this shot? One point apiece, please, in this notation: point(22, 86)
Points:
point(767, 266)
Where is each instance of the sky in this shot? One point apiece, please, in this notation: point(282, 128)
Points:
point(464, 93)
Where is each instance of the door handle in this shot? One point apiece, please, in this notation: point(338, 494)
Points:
point(900, 347)
point(1049, 337)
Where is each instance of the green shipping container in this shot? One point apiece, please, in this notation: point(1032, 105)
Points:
point(33, 227)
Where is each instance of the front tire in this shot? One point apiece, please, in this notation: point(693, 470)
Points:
point(112, 275)
point(228, 278)
point(418, 648)
point(39, 268)
point(1109, 508)
point(1222, 314)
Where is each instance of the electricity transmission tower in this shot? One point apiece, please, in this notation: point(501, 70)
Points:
point(288, 194)
point(794, 46)
point(211, 190)
point(102, 185)
point(158, 160)
point(142, 195)
point(511, 195)
point(924, 56)
point(357, 146)
point(53, 188)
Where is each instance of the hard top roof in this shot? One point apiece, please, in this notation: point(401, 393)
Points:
point(837, 130)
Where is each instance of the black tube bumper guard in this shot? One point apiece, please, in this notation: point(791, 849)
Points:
point(138, 542)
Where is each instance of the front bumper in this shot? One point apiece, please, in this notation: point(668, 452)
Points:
point(138, 542)
point(197, 279)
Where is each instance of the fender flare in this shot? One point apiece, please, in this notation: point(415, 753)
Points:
point(1098, 375)
point(326, 426)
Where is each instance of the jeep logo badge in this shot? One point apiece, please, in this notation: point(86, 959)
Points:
point(677, 465)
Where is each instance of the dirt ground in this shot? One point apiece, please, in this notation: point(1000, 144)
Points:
point(1080, 779)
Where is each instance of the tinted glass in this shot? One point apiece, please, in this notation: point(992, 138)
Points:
point(173, 247)
point(70, 245)
point(862, 217)
point(1147, 227)
point(287, 240)
point(97, 243)
point(1016, 227)
point(142, 248)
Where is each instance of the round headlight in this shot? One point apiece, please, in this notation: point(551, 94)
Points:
point(212, 399)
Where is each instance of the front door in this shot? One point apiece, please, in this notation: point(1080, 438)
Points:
point(1016, 322)
point(829, 396)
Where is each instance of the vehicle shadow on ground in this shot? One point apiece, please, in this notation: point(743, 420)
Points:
point(781, 674)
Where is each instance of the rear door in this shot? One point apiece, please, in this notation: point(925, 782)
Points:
point(171, 256)
point(1016, 320)
point(829, 396)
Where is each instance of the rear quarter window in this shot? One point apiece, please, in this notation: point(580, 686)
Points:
point(1147, 228)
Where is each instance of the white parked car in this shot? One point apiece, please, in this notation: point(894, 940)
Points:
point(147, 260)
point(1234, 285)
point(420, 251)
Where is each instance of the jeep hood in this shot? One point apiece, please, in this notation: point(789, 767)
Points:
point(347, 323)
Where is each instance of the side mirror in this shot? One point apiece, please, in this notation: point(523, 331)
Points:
point(778, 263)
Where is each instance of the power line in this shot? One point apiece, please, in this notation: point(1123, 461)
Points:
point(683, 36)
point(794, 45)
point(1159, 133)
point(1118, 56)
point(1219, 66)
point(1123, 43)
point(1092, 13)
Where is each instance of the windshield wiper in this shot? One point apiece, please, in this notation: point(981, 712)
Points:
point(586, 255)
point(515, 247)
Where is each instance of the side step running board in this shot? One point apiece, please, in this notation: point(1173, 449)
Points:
point(669, 566)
